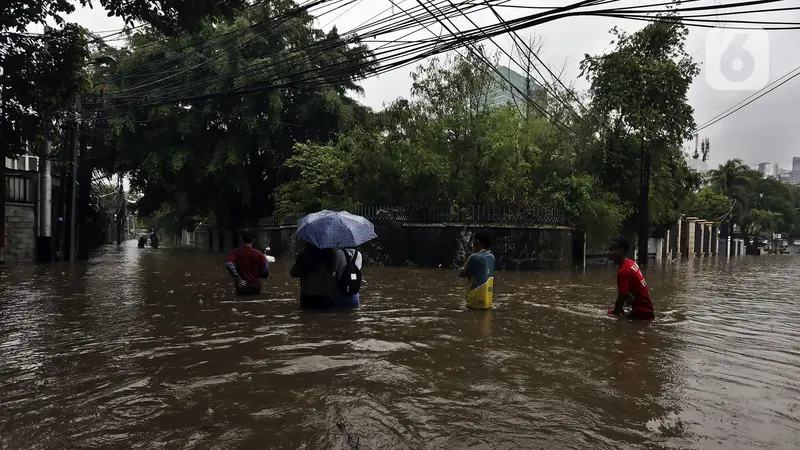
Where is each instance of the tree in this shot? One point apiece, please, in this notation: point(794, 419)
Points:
point(758, 223)
point(640, 90)
point(451, 146)
point(732, 179)
point(708, 205)
point(44, 73)
point(737, 182)
point(760, 206)
point(192, 146)
point(770, 208)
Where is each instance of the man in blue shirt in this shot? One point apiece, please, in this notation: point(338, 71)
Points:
point(479, 268)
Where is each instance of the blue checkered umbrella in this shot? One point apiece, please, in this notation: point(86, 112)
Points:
point(335, 229)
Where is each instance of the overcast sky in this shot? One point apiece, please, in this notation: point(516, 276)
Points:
point(765, 131)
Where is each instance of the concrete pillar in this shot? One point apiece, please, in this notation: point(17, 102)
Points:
point(676, 251)
point(665, 248)
point(689, 248)
point(584, 252)
point(698, 241)
point(714, 238)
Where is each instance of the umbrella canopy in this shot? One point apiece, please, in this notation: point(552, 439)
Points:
point(335, 229)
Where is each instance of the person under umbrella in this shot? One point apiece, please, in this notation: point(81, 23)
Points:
point(315, 268)
point(323, 232)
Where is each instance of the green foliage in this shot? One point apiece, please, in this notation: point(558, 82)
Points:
point(644, 82)
point(41, 77)
point(224, 155)
point(43, 74)
point(191, 149)
point(761, 206)
point(599, 213)
point(707, 205)
point(759, 221)
point(449, 145)
point(733, 179)
point(320, 183)
point(642, 115)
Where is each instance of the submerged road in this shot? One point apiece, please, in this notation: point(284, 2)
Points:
point(149, 349)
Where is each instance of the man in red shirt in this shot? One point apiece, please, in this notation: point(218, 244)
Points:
point(247, 266)
point(633, 297)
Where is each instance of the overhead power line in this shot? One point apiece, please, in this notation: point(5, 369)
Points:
point(389, 55)
point(792, 74)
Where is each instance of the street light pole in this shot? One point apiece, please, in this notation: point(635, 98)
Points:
point(73, 238)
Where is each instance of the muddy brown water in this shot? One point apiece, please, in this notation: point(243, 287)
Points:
point(143, 348)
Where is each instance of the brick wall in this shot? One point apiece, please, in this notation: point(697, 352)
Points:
point(20, 232)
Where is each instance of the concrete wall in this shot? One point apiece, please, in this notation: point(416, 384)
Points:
point(429, 245)
point(20, 232)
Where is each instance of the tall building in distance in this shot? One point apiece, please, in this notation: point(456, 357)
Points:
point(768, 170)
point(794, 176)
point(509, 87)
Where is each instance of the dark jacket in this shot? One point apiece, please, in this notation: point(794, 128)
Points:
point(315, 268)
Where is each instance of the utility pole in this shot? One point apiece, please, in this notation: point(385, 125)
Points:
point(644, 205)
point(85, 172)
point(121, 209)
point(44, 242)
point(73, 192)
point(4, 151)
point(81, 175)
point(3, 210)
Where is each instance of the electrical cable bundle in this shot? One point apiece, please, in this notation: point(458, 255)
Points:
point(390, 51)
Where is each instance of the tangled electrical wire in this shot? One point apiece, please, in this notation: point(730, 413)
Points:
point(388, 35)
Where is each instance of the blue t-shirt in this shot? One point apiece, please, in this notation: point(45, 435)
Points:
point(480, 269)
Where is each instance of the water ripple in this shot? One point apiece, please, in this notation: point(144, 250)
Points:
point(168, 358)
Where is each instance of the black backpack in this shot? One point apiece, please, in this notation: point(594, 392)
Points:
point(350, 281)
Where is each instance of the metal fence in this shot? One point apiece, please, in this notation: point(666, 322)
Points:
point(271, 221)
point(540, 215)
point(19, 189)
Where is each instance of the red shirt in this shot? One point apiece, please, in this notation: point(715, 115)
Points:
point(631, 281)
point(248, 262)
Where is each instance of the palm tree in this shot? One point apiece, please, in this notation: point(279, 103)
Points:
point(732, 179)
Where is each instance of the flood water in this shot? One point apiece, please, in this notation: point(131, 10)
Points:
point(149, 349)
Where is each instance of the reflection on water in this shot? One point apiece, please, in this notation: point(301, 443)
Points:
point(144, 348)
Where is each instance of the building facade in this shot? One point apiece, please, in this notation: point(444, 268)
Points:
point(794, 175)
point(28, 163)
point(511, 88)
point(20, 226)
point(696, 165)
point(769, 170)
